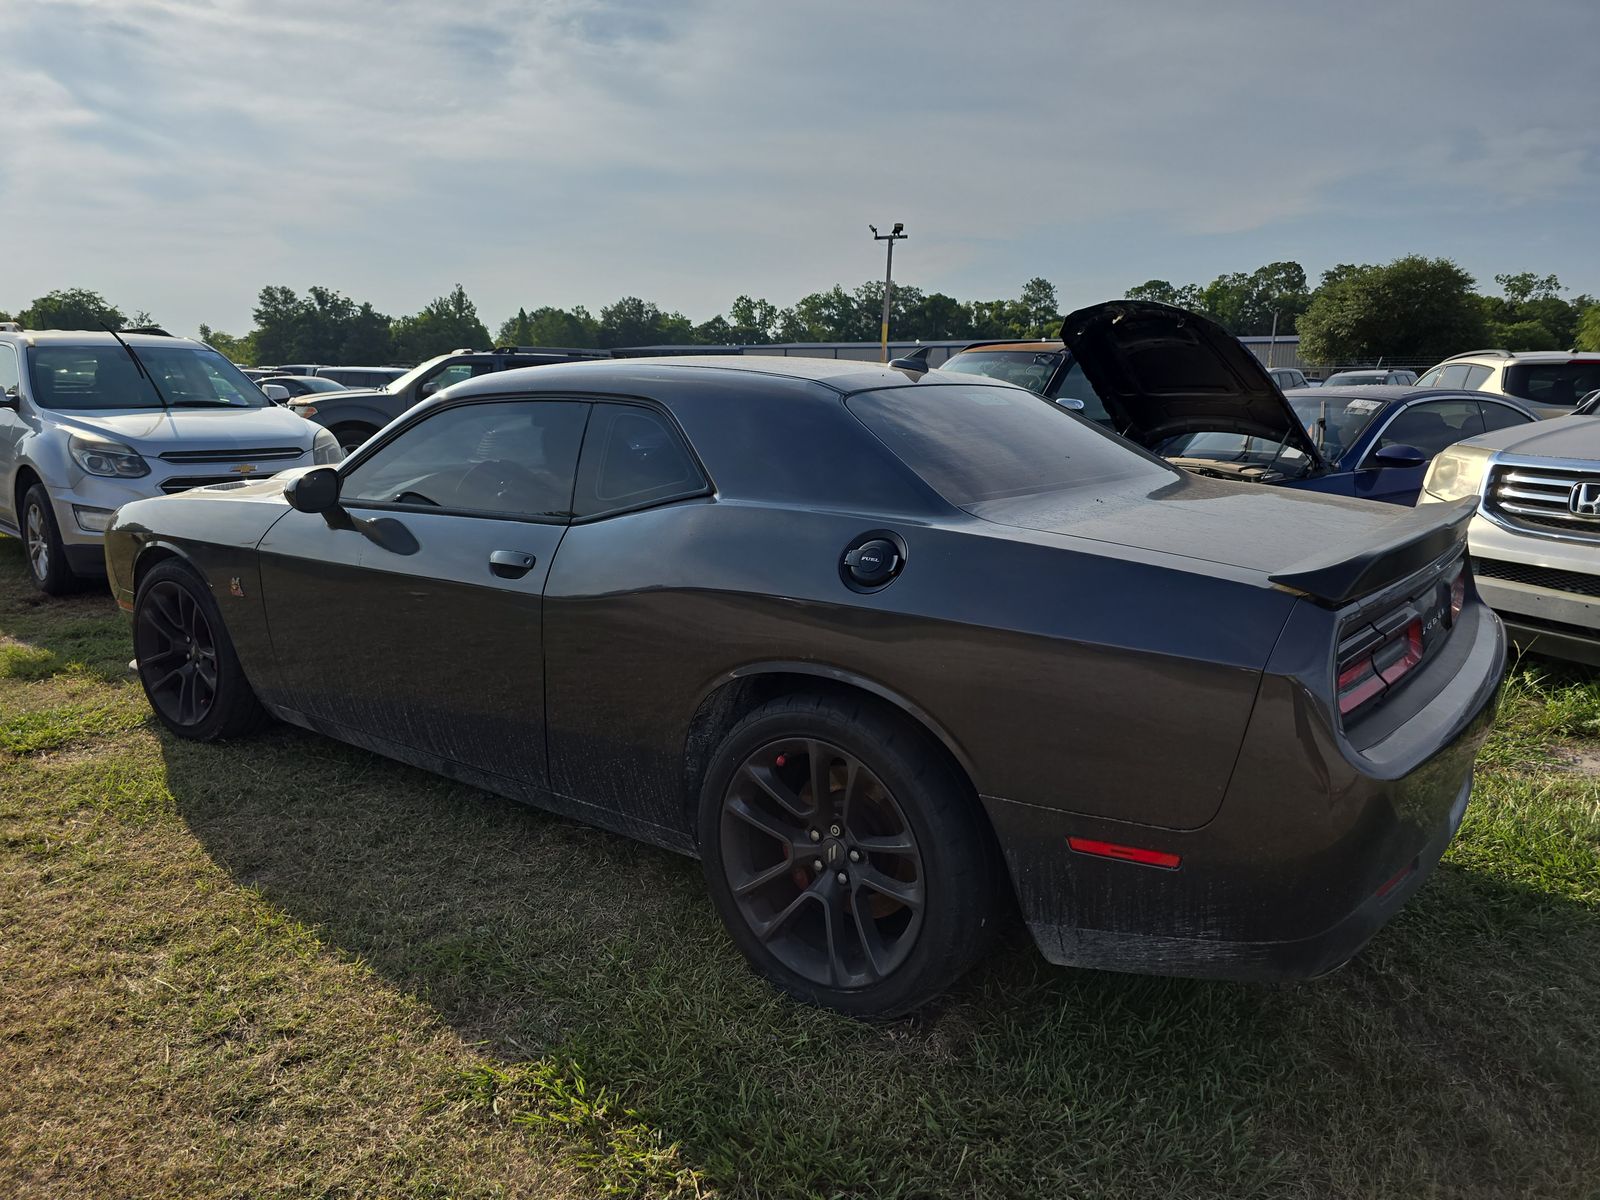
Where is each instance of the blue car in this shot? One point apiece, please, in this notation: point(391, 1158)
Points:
point(1376, 440)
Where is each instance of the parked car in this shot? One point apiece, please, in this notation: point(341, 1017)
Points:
point(355, 415)
point(1370, 378)
point(297, 369)
point(303, 385)
point(88, 423)
point(1251, 431)
point(1376, 440)
point(871, 643)
point(361, 377)
point(1549, 382)
point(1288, 377)
point(1536, 536)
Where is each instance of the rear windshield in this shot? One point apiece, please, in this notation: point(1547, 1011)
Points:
point(973, 444)
point(95, 378)
point(1553, 383)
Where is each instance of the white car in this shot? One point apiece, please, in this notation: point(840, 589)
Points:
point(1550, 381)
point(1535, 541)
point(89, 422)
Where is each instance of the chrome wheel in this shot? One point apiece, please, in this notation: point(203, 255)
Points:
point(177, 653)
point(822, 864)
point(36, 536)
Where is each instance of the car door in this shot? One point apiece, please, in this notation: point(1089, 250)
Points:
point(12, 429)
point(1429, 426)
point(412, 615)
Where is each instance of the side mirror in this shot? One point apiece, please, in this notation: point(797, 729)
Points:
point(429, 388)
point(1399, 456)
point(10, 399)
point(1069, 403)
point(275, 392)
point(314, 492)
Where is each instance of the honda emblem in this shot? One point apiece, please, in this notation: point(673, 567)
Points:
point(1584, 500)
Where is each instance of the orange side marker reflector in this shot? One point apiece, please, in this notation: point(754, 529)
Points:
point(124, 605)
point(1133, 854)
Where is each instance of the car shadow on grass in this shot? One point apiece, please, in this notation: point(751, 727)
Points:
point(1440, 1059)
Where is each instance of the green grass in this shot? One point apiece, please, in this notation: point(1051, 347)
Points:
point(286, 967)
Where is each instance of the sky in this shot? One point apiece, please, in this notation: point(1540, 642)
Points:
point(177, 155)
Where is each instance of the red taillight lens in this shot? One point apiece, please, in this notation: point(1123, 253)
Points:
point(1366, 676)
point(1397, 656)
point(1358, 683)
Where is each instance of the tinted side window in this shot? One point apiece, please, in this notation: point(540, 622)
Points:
point(9, 371)
point(1433, 426)
point(1553, 383)
point(1431, 379)
point(1475, 377)
point(632, 456)
point(1075, 385)
point(1454, 376)
point(455, 373)
point(498, 458)
point(1500, 416)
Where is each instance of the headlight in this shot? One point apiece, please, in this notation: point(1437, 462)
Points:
point(325, 449)
point(1457, 473)
point(107, 458)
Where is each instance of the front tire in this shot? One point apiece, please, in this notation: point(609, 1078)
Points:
point(187, 664)
point(352, 437)
point(847, 857)
point(41, 539)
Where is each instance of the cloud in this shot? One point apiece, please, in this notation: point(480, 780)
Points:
point(178, 155)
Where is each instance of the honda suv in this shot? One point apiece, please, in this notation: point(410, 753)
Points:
point(356, 414)
point(1551, 382)
point(90, 421)
point(1535, 541)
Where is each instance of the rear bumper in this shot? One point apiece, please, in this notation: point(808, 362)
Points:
point(1314, 849)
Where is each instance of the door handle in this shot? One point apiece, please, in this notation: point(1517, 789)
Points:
point(511, 564)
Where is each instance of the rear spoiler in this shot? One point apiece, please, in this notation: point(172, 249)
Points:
point(1421, 536)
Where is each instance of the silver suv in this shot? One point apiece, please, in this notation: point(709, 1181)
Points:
point(89, 422)
point(1535, 540)
point(1550, 382)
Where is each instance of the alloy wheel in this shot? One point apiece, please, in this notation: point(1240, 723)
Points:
point(37, 537)
point(177, 653)
point(822, 863)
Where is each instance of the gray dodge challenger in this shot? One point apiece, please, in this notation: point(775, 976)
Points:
point(897, 654)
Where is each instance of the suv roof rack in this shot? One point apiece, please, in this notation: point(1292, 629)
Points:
point(581, 351)
point(154, 330)
point(1495, 353)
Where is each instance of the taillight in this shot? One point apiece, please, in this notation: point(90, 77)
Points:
point(1371, 670)
point(1458, 594)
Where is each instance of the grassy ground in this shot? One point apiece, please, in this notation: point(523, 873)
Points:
point(287, 967)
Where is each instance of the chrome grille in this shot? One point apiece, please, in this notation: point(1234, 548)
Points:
point(259, 454)
point(1539, 498)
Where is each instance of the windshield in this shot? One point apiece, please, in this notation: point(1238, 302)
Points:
point(1335, 422)
point(1026, 368)
point(313, 383)
point(94, 378)
point(417, 372)
point(973, 444)
point(1356, 377)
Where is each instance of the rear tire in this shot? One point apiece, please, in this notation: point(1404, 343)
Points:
point(187, 664)
point(910, 891)
point(41, 539)
point(352, 436)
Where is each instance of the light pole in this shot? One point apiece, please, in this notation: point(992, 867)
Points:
point(894, 235)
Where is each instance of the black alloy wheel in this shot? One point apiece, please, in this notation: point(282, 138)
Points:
point(186, 660)
point(848, 856)
point(177, 654)
point(822, 863)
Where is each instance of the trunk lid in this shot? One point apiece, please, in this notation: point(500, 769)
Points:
point(1165, 372)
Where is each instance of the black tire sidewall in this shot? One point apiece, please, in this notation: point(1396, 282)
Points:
point(943, 815)
point(234, 709)
point(352, 430)
point(60, 578)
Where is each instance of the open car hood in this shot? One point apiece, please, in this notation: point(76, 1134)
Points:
point(1163, 371)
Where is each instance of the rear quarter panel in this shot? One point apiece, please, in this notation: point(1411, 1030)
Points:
point(1058, 676)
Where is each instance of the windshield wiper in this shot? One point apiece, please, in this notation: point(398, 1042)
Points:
point(148, 378)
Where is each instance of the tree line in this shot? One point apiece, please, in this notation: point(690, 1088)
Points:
point(1414, 309)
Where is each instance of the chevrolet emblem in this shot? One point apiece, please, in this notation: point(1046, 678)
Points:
point(243, 469)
